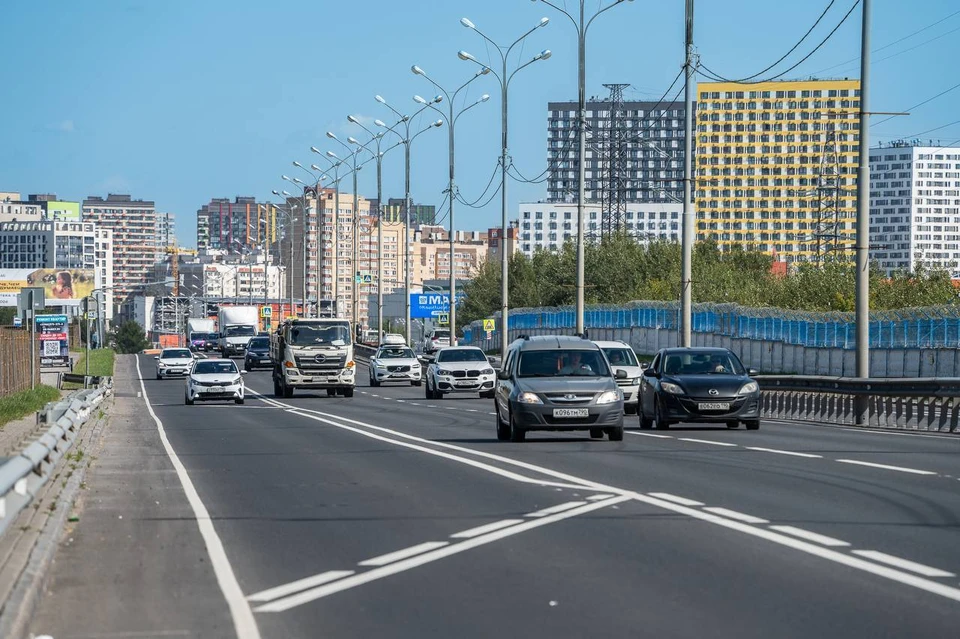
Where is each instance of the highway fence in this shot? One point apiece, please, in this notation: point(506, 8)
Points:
point(15, 361)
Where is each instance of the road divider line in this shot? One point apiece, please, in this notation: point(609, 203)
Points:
point(391, 557)
point(652, 435)
point(776, 451)
point(810, 536)
point(301, 584)
point(599, 497)
point(482, 530)
point(733, 514)
point(559, 508)
point(912, 566)
point(899, 469)
point(704, 441)
point(683, 501)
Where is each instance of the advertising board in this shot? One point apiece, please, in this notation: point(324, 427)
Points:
point(62, 287)
point(53, 338)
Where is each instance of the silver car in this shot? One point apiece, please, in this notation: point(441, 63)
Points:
point(395, 364)
point(174, 362)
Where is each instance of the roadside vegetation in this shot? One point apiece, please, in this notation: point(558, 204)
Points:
point(101, 362)
point(18, 405)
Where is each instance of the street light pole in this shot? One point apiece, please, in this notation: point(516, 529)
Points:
point(686, 266)
point(863, 217)
point(291, 221)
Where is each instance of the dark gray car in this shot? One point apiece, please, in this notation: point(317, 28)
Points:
point(557, 383)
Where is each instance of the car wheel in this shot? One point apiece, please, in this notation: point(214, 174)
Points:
point(348, 392)
point(645, 422)
point(733, 424)
point(187, 401)
point(374, 383)
point(426, 390)
point(596, 433)
point(753, 424)
point(517, 434)
point(488, 394)
point(238, 401)
point(630, 409)
point(616, 433)
point(662, 424)
point(416, 383)
point(503, 430)
point(159, 376)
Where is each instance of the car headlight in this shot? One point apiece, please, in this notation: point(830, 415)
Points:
point(441, 371)
point(673, 389)
point(635, 381)
point(749, 388)
point(487, 371)
point(161, 365)
point(608, 397)
point(528, 398)
point(415, 367)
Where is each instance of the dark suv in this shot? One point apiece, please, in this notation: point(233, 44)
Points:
point(258, 354)
point(557, 383)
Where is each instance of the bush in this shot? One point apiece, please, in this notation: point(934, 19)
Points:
point(130, 338)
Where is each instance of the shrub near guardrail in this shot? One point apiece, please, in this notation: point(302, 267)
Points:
point(16, 405)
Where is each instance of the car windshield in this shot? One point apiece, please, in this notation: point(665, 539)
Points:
point(562, 363)
point(212, 367)
point(702, 363)
point(309, 334)
point(259, 342)
point(441, 335)
point(176, 353)
point(396, 353)
point(620, 357)
point(207, 336)
point(461, 355)
point(240, 331)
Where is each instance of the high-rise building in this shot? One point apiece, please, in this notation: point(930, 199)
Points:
point(431, 253)
point(496, 246)
point(393, 211)
point(166, 232)
point(776, 166)
point(134, 227)
point(915, 206)
point(234, 227)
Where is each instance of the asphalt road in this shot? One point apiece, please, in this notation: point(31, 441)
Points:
point(391, 515)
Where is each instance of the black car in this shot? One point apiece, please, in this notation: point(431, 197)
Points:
point(258, 354)
point(701, 385)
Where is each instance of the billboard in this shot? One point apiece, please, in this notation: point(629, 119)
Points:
point(66, 211)
point(423, 305)
point(62, 287)
point(53, 340)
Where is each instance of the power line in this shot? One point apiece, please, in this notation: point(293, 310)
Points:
point(943, 126)
point(928, 100)
point(492, 176)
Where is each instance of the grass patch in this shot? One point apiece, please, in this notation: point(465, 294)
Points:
point(20, 404)
point(101, 362)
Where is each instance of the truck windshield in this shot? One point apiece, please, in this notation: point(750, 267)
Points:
point(308, 334)
point(240, 331)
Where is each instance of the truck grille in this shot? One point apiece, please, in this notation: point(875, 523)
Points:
point(321, 362)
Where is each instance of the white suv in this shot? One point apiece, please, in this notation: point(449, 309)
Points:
point(435, 340)
point(460, 369)
point(622, 357)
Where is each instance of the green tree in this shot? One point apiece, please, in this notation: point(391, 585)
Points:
point(130, 338)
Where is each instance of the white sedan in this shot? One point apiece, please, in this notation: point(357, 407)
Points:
point(460, 369)
point(395, 364)
point(212, 379)
point(174, 362)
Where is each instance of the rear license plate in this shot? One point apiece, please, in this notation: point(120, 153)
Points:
point(713, 406)
point(571, 412)
point(216, 389)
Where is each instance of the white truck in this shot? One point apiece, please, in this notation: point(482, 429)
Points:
point(237, 324)
point(199, 333)
point(313, 354)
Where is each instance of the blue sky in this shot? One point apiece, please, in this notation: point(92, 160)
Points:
point(179, 101)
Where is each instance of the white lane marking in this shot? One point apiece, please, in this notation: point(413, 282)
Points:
point(912, 566)
point(482, 530)
point(244, 622)
point(425, 558)
point(559, 508)
point(683, 501)
point(494, 413)
point(900, 469)
point(784, 452)
point(391, 557)
point(402, 401)
point(810, 536)
point(301, 584)
point(598, 497)
point(472, 410)
point(704, 441)
point(864, 431)
point(415, 404)
point(733, 514)
point(652, 435)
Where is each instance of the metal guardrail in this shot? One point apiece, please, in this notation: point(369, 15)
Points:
point(922, 404)
point(22, 476)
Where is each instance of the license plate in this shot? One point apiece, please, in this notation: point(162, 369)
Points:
point(216, 389)
point(466, 383)
point(571, 412)
point(714, 406)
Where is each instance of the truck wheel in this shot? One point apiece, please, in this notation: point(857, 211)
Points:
point(287, 390)
point(277, 388)
point(331, 392)
point(348, 392)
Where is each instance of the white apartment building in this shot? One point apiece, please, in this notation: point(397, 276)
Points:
point(548, 225)
point(14, 210)
point(915, 206)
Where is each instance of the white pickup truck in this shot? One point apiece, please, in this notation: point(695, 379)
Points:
point(313, 354)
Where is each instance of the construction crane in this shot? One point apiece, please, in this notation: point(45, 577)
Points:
point(174, 252)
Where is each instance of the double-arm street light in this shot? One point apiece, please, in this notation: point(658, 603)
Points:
point(287, 210)
point(406, 139)
point(303, 208)
point(582, 24)
point(451, 116)
point(504, 79)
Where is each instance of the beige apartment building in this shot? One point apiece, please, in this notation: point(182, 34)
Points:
point(431, 253)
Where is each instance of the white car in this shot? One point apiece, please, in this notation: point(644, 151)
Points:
point(395, 364)
point(435, 340)
point(174, 362)
point(393, 339)
point(460, 369)
point(622, 357)
point(212, 379)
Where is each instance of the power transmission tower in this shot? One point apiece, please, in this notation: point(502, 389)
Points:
point(613, 196)
point(828, 221)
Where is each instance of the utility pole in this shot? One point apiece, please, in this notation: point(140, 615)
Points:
point(863, 218)
point(581, 162)
point(686, 261)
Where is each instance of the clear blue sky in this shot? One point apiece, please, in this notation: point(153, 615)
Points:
point(183, 100)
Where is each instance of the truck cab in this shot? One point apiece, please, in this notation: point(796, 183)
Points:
point(313, 354)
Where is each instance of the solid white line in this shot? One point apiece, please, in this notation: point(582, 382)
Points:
point(425, 558)
point(598, 497)
point(733, 514)
point(900, 469)
point(482, 530)
point(652, 435)
point(810, 536)
point(678, 500)
point(704, 441)
point(784, 452)
point(391, 557)
point(301, 584)
point(557, 509)
point(243, 620)
point(912, 566)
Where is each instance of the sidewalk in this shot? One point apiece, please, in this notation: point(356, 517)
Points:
point(135, 564)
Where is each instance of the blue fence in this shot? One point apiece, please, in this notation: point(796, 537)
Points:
point(928, 327)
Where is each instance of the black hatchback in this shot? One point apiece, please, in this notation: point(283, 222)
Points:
point(700, 385)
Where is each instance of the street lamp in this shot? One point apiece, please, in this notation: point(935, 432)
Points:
point(451, 116)
point(303, 208)
point(406, 139)
point(288, 212)
point(504, 79)
point(581, 25)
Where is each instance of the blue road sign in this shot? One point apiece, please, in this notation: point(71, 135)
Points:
point(431, 304)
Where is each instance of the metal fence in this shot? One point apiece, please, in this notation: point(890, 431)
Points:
point(928, 327)
point(15, 356)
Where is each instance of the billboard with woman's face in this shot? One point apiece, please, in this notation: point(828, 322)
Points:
point(62, 287)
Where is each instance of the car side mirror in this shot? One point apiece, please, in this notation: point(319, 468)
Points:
point(244, 372)
point(649, 373)
point(156, 357)
point(752, 371)
point(504, 375)
point(621, 374)
point(644, 366)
